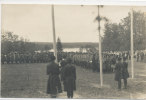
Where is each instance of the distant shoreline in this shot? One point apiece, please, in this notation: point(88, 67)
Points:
point(70, 44)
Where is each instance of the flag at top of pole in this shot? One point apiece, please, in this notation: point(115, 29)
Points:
point(54, 35)
point(132, 61)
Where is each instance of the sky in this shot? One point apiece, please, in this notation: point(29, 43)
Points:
point(73, 23)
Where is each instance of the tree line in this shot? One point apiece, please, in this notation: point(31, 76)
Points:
point(116, 38)
point(14, 43)
point(117, 35)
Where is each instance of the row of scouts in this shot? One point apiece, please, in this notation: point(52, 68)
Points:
point(140, 56)
point(17, 58)
point(35, 57)
point(92, 62)
point(67, 71)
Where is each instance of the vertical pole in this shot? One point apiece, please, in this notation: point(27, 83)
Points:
point(0, 44)
point(132, 65)
point(54, 36)
point(100, 53)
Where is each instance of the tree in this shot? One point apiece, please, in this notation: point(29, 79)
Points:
point(117, 36)
point(139, 23)
point(59, 46)
point(47, 47)
point(14, 43)
point(59, 49)
point(8, 42)
point(111, 38)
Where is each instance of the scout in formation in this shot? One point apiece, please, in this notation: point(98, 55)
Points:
point(66, 69)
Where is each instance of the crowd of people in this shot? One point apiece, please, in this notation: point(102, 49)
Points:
point(18, 58)
point(66, 68)
point(92, 61)
point(140, 56)
point(67, 71)
point(35, 57)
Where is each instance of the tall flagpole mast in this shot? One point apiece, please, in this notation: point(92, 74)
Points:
point(100, 53)
point(132, 65)
point(54, 36)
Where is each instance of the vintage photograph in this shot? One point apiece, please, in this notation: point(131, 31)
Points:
point(73, 51)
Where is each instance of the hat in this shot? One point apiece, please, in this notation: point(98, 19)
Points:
point(69, 60)
point(52, 57)
point(124, 58)
point(119, 59)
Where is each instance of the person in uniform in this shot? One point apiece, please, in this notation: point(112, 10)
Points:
point(70, 78)
point(118, 72)
point(137, 56)
point(125, 73)
point(54, 84)
point(93, 63)
point(63, 64)
point(142, 56)
point(113, 63)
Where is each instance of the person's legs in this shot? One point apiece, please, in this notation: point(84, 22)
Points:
point(53, 95)
point(119, 84)
point(71, 93)
point(68, 94)
point(125, 83)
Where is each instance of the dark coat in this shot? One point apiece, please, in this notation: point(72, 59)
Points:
point(70, 77)
point(63, 64)
point(118, 71)
point(125, 73)
point(54, 80)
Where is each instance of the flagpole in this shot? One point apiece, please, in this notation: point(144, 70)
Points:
point(54, 36)
point(100, 53)
point(132, 61)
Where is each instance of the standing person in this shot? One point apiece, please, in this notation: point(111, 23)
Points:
point(118, 72)
point(137, 56)
point(54, 84)
point(93, 63)
point(142, 56)
point(113, 63)
point(63, 64)
point(125, 73)
point(70, 77)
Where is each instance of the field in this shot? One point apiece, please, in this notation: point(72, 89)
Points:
point(30, 81)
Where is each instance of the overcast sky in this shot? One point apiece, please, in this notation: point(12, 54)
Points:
point(73, 23)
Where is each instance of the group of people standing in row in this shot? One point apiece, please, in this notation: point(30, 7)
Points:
point(68, 77)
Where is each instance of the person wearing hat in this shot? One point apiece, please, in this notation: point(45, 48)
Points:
point(118, 72)
point(125, 73)
point(63, 64)
point(54, 84)
point(70, 77)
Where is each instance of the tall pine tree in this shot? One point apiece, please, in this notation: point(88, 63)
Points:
point(59, 49)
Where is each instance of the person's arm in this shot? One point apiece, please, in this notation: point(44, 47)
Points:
point(48, 70)
point(126, 65)
point(58, 71)
point(116, 67)
point(75, 73)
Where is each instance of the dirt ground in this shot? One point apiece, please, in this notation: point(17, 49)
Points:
point(30, 81)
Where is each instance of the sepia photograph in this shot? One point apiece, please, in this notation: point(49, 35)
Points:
point(73, 51)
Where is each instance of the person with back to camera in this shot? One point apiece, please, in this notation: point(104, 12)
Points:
point(70, 78)
point(125, 73)
point(54, 84)
point(118, 72)
point(63, 64)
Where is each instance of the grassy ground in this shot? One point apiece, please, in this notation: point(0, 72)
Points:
point(30, 81)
